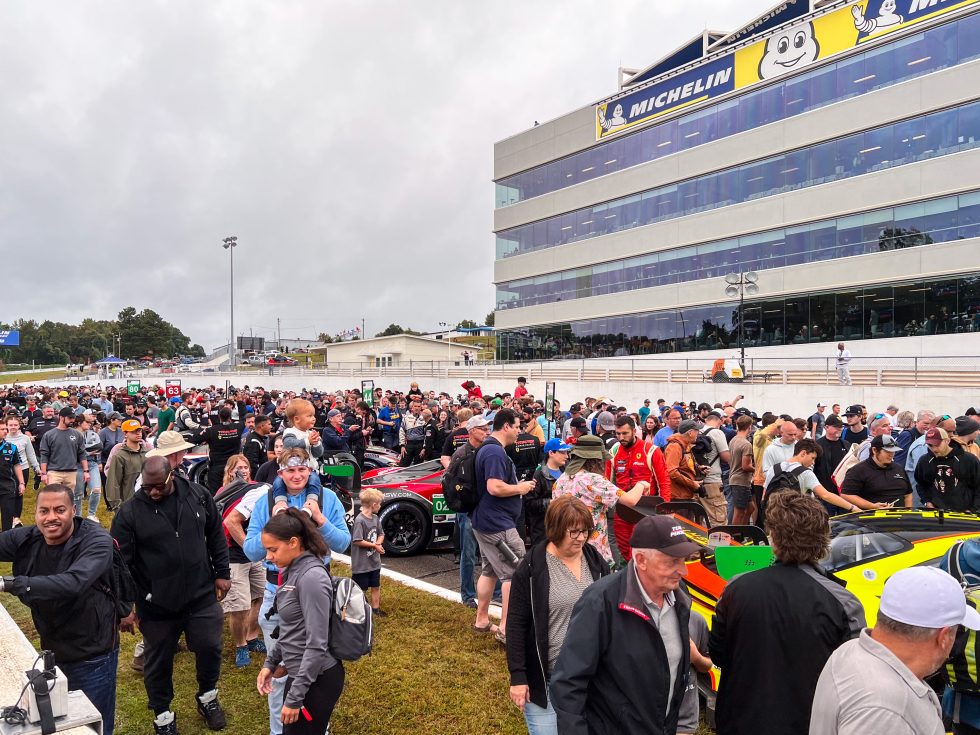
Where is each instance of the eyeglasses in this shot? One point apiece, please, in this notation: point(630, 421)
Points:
point(578, 533)
point(159, 486)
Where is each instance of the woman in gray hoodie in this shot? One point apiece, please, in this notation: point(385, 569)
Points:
point(304, 600)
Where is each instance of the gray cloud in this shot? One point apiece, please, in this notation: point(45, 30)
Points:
point(347, 144)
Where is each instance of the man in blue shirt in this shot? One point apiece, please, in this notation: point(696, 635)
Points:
point(672, 422)
point(644, 411)
point(300, 491)
point(495, 517)
point(389, 421)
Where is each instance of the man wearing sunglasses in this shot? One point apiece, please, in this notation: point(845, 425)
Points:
point(171, 537)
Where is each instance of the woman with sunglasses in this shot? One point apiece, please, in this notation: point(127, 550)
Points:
point(545, 588)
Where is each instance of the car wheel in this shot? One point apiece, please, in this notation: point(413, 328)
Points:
point(407, 528)
point(199, 473)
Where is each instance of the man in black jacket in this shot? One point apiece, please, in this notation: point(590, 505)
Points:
point(536, 502)
point(623, 667)
point(61, 571)
point(948, 476)
point(832, 451)
point(170, 536)
point(768, 687)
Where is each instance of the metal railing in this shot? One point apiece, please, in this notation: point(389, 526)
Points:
point(884, 371)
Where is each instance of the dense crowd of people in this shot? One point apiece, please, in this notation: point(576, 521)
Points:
point(595, 618)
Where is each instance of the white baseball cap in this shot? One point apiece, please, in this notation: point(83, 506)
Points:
point(927, 597)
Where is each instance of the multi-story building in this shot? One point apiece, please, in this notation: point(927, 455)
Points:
point(833, 150)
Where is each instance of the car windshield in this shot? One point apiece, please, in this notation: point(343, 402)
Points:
point(415, 473)
point(853, 543)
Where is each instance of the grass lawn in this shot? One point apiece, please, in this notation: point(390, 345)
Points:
point(429, 673)
point(30, 378)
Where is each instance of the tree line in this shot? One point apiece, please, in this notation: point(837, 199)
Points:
point(393, 329)
point(132, 334)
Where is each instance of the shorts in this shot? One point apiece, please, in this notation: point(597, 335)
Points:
point(741, 496)
point(247, 584)
point(494, 563)
point(367, 580)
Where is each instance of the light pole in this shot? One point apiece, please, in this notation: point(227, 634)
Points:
point(117, 340)
point(449, 346)
point(740, 284)
point(229, 244)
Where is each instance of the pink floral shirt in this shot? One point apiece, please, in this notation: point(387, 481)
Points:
point(599, 494)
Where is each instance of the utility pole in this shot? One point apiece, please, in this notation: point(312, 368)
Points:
point(738, 285)
point(363, 333)
point(279, 334)
point(229, 244)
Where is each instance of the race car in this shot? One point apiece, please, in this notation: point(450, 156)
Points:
point(414, 515)
point(866, 548)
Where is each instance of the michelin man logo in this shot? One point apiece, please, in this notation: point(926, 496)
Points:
point(789, 50)
point(612, 123)
point(887, 17)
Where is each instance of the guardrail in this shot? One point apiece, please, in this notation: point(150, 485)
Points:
point(884, 371)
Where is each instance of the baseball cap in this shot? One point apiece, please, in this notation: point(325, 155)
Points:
point(854, 410)
point(497, 402)
point(646, 400)
point(114, 416)
point(833, 420)
point(62, 394)
point(666, 535)
point(606, 420)
point(477, 422)
point(714, 414)
point(555, 445)
point(175, 399)
point(66, 412)
point(131, 425)
point(966, 426)
point(821, 405)
point(579, 423)
point(927, 597)
point(686, 426)
point(886, 442)
point(936, 436)
point(333, 412)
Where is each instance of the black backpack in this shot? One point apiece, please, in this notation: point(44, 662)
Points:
point(121, 588)
point(459, 482)
point(784, 479)
point(703, 448)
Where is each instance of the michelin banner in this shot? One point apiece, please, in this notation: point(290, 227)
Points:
point(784, 52)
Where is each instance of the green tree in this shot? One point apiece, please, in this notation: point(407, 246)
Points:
point(467, 324)
point(391, 330)
point(488, 320)
point(325, 338)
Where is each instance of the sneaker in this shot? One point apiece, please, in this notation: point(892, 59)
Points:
point(209, 708)
point(256, 646)
point(94, 518)
point(138, 663)
point(242, 658)
point(17, 523)
point(378, 612)
point(165, 724)
point(470, 604)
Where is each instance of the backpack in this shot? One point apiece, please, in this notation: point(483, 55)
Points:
point(121, 588)
point(229, 498)
point(784, 479)
point(703, 448)
point(459, 482)
point(351, 621)
point(850, 459)
point(961, 666)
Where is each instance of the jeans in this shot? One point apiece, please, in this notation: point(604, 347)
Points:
point(540, 721)
point(203, 630)
point(95, 491)
point(729, 503)
point(278, 685)
point(467, 557)
point(97, 678)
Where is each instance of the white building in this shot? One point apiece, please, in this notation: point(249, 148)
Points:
point(398, 349)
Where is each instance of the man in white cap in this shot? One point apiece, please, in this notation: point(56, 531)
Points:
point(875, 682)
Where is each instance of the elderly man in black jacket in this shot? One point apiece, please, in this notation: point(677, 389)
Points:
point(61, 571)
point(623, 667)
point(171, 537)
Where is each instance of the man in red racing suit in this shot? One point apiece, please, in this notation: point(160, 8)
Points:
point(635, 460)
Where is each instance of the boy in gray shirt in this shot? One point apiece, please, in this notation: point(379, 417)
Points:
point(367, 547)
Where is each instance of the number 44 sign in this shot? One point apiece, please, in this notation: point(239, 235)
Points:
point(173, 389)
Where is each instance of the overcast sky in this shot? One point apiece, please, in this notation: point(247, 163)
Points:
point(348, 145)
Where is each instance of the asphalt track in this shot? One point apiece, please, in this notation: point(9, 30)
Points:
point(434, 567)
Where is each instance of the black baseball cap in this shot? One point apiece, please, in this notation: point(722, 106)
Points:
point(664, 534)
point(855, 410)
point(579, 423)
point(886, 442)
point(66, 412)
point(833, 420)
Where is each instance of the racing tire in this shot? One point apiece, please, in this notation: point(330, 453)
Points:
point(406, 526)
point(199, 473)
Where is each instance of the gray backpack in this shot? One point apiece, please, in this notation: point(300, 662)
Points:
point(351, 623)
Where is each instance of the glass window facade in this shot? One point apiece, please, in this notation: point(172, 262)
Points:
point(924, 307)
point(917, 139)
point(910, 225)
point(906, 58)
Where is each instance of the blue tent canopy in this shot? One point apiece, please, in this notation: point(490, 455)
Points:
point(111, 360)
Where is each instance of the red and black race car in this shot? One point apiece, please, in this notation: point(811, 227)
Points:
point(414, 515)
